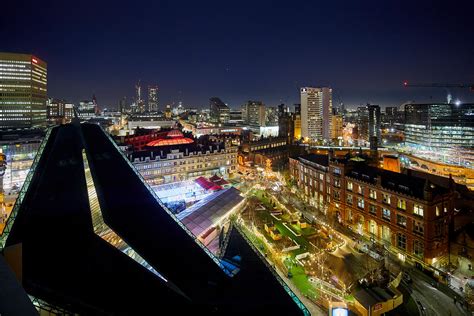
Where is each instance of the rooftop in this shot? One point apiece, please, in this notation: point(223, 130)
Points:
point(322, 160)
point(409, 184)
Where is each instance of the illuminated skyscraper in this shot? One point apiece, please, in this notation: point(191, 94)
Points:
point(23, 91)
point(316, 112)
point(140, 104)
point(153, 98)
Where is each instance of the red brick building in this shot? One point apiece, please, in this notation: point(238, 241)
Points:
point(407, 214)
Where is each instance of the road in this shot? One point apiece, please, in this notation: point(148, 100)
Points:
point(434, 300)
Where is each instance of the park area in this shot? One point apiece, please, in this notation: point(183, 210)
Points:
point(304, 252)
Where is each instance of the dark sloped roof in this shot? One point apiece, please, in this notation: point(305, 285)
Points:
point(322, 160)
point(409, 184)
point(132, 211)
point(13, 298)
point(64, 262)
point(267, 297)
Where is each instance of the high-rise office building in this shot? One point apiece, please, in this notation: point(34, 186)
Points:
point(153, 98)
point(374, 122)
point(253, 113)
point(368, 123)
point(139, 103)
point(23, 91)
point(219, 111)
point(316, 111)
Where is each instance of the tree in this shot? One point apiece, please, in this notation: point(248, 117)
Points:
point(268, 165)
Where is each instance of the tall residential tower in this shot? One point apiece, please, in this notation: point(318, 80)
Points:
point(23, 91)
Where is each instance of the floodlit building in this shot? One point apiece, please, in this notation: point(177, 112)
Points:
point(178, 158)
point(316, 112)
point(23, 91)
point(408, 213)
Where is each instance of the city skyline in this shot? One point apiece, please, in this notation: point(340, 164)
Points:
point(363, 52)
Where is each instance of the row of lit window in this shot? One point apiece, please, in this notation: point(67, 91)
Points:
point(15, 78)
point(14, 70)
point(14, 62)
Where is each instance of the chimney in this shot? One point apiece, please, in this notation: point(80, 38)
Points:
point(427, 191)
point(379, 180)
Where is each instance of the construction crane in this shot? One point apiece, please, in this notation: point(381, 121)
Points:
point(470, 86)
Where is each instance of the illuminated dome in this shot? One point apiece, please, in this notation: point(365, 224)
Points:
point(170, 142)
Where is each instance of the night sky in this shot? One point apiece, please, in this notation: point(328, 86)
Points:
point(240, 50)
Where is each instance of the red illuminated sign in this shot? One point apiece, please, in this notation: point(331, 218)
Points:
point(34, 60)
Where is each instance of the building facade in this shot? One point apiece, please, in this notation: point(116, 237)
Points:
point(253, 113)
point(405, 213)
point(219, 111)
point(444, 130)
point(374, 121)
point(59, 112)
point(297, 121)
point(179, 164)
point(337, 126)
point(23, 91)
point(316, 112)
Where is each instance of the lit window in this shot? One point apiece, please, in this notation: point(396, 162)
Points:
point(349, 186)
point(360, 190)
point(437, 211)
point(360, 203)
point(418, 210)
point(386, 198)
point(373, 194)
point(402, 204)
point(386, 214)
